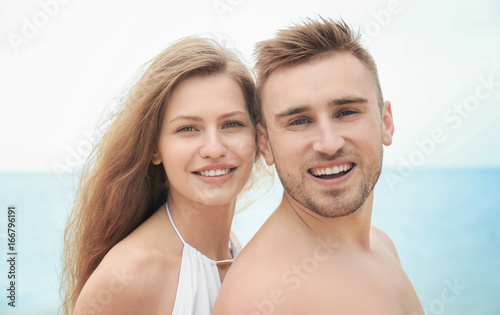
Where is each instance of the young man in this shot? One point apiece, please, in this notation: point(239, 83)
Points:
point(323, 124)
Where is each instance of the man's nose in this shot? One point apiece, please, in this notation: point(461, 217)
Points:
point(329, 139)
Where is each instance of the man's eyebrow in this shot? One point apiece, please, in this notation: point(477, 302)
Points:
point(348, 100)
point(291, 111)
point(335, 102)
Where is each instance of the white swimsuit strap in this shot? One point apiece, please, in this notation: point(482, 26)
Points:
point(175, 228)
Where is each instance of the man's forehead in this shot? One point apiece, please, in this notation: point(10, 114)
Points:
point(345, 73)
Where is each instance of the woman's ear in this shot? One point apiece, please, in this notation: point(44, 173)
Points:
point(264, 145)
point(156, 159)
point(387, 124)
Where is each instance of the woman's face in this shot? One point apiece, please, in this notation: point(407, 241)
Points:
point(207, 141)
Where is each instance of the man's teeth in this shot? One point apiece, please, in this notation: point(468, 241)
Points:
point(214, 172)
point(333, 170)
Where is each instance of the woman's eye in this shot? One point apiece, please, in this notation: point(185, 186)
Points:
point(186, 129)
point(232, 124)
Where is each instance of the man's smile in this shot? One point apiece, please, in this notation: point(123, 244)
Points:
point(331, 172)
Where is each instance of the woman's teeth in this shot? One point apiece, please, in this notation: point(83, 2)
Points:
point(212, 173)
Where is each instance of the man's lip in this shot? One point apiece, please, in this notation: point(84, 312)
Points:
point(331, 165)
point(333, 180)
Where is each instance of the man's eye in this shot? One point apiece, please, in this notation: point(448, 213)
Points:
point(232, 124)
point(347, 112)
point(186, 129)
point(299, 121)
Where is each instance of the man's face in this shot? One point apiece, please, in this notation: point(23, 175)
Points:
point(325, 132)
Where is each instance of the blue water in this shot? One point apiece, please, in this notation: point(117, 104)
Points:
point(444, 224)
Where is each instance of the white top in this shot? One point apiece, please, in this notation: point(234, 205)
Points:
point(199, 280)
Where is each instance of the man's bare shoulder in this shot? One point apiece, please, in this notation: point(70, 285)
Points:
point(259, 279)
point(262, 249)
point(384, 240)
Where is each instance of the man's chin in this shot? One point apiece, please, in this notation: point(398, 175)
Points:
point(336, 212)
point(336, 204)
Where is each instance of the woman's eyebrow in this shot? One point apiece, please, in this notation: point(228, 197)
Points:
point(185, 117)
point(226, 115)
point(198, 118)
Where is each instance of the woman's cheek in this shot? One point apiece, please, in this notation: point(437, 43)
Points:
point(248, 147)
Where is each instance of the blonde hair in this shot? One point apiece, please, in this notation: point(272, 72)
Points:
point(120, 187)
point(304, 42)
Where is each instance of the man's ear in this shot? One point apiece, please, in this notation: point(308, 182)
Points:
point(264, 146)
point(156, 158)
point(387, 124)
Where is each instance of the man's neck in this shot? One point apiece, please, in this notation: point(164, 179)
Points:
point(352, 230)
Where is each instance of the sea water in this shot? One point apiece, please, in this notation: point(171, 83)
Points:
point(444, 223)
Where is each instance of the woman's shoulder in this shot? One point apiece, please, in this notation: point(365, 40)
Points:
point(134, 277)
point(120, 284)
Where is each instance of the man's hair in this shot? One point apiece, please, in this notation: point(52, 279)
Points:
point(304, 42)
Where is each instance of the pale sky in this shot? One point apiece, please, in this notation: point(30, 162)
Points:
point(63, 63)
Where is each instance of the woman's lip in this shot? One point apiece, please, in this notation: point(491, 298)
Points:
point(214, 167)
point(218, 179)
point(213, 172)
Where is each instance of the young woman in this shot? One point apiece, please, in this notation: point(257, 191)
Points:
point(150, 230)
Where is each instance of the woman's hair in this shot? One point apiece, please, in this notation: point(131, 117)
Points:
point(120, 187)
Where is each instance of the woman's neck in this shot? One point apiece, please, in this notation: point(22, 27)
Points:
point(204, 227)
